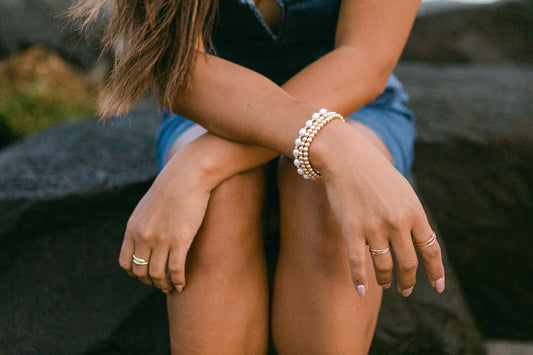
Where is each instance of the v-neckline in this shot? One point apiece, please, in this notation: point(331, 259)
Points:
point(260, 18)
point(267, 11)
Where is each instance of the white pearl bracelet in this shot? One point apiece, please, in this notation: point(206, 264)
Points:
point(305, 138)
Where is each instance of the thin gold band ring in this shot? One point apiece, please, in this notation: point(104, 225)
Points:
point(379, 251)
point(432, 240)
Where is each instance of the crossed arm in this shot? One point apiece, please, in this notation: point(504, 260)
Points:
point(251, 120)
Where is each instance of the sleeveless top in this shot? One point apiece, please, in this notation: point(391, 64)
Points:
point(306, 32)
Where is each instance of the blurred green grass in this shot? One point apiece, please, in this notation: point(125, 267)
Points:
point(39, 90)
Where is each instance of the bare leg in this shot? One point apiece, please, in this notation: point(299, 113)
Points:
point(224, 307)
point(316, 309)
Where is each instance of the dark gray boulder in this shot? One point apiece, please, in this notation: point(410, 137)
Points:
point(24, 23)
point(65, 196)
point(452, 32)
point(474, 166)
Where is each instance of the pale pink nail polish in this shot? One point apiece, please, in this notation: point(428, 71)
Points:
point(386, 286)
point(440, 285)
point(165, 292)
point(361, 290)
point(179, 288)
point(407, 292)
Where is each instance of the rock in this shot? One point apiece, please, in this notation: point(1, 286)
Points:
point(28, 22)
point(448, 32)
point(65, 196)
point(474, 169)
point(73, 162)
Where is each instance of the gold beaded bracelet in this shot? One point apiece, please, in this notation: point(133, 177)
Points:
point(305, 138)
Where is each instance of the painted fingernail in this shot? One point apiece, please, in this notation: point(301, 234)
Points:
point(440, 285)
point(165, 292)
point(179, 288)
point(361, 290)
point(407, 292)
point(386, 286)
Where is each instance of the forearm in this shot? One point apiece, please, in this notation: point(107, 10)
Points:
point(241, 105)
point(241, 157)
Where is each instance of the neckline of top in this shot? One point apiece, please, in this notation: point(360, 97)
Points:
point(259, 17)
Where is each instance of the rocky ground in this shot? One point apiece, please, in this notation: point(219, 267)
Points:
point(66, 193)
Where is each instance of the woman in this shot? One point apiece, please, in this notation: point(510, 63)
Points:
point(198, 232)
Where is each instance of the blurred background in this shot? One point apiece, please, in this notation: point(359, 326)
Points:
point(68, 184)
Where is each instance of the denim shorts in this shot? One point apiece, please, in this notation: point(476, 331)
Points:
point(387, 116)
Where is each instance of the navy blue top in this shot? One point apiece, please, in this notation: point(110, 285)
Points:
point(306, 32)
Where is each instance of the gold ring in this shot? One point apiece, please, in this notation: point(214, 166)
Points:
point(432, 240)
point(139, 261)
point(379, 251)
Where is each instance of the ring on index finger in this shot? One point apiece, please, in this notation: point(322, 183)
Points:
point(139, 261)
point(432, 240)
point(375, 252)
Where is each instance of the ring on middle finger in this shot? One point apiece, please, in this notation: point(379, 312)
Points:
point(375, 252)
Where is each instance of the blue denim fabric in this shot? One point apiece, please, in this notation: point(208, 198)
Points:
point(306, 32)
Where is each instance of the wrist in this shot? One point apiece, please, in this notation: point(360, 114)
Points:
point(331, 146)
point(305, 139)
point(195, 169)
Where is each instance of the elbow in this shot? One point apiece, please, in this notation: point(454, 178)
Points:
point(378, 86)
point(372, 69)
point(380, 76)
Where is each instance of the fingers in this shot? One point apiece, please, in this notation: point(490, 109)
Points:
point(357, 253)
point(176, 267)
point(141, 264)
point(407, 263)
point(125, 258)
point(158, 270)
point(382, 259)
point(426, 242)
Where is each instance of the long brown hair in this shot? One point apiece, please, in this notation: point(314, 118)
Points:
point(155, 44)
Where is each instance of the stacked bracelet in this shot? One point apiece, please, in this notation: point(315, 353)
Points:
point(305, 138)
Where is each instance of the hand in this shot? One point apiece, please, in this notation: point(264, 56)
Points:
point(375, 205)
point(165, 222)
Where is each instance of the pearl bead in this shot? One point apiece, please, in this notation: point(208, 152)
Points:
point(306, 177)
point(322, 111)
point(300, 171)
point(298, 141)
point(295, 152)
point(315, 116)
point(308, 123)
point(297, 162)
point(302, 132)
